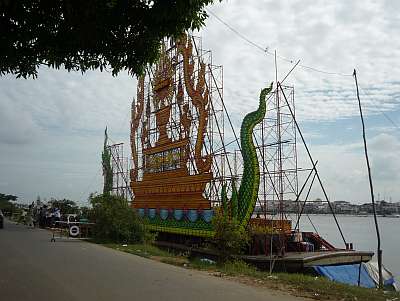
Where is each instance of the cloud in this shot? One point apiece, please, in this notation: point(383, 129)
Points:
point(17, 125)
point(384, 149)
point(333, 37)
point(344, 172)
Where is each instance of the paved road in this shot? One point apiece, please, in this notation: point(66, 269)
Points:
point(33, 268)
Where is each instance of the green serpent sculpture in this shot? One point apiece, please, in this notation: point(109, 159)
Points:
point(243, 202)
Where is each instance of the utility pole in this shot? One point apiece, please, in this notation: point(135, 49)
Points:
point(370, 186)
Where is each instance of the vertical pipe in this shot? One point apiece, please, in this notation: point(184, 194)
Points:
point(295, 155)
point(270, 253)
point(264, 172)
point(378, 236)
point(359, 272)
point(305, 199)
point(280, 167)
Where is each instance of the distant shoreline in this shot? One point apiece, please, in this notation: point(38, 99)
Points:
point(357, 215)
point(341, 214)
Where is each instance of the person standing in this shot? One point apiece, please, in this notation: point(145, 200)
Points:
point(57, 216)
point(29, 218)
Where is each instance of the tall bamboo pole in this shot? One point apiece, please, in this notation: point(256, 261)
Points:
point(370, 186)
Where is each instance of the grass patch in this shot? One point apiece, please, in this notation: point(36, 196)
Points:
point(201, 264)
point(178, 261)
point(323, 289)
point(319, 288)
point(144, 250)
point(239, 267)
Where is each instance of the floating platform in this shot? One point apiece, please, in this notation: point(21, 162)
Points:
point(300, 261)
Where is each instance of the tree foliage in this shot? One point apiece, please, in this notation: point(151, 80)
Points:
point(230, 237)
point(90, 34)
point(6, 204)
point(115, 220)
point(86, 213)
point(7, 197)
point(66, 206)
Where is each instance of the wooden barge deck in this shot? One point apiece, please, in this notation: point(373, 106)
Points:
point(299, 261)
point(290, 262)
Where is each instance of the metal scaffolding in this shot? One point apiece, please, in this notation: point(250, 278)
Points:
point(120, 170)
point(214, 143)
point(276, 137)
point(275, 140)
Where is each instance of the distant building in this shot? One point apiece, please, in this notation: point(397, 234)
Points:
point(319, 206)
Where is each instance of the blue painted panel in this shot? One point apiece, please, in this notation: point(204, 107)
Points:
point(192, 215)
point(208, 215)
point(178, 214)
point(152, 213)
point(164, 214)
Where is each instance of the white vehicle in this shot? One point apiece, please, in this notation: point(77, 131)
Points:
point(1, 220)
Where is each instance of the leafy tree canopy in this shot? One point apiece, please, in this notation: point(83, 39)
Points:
point(90, 34)
point(66, 206)
point(6, 202)
point(7, 197)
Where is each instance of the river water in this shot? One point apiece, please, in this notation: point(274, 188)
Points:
point(360, 230)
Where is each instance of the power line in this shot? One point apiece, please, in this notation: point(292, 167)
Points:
point(382, 112)
point(266, 49)
point(390, 119)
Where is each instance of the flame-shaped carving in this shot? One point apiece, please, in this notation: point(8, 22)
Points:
point(199, 96)
point(144, 135)
point(185, 115)
point(136, 115)
point(163, 81)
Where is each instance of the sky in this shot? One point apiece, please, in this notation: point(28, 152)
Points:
point(52, 128)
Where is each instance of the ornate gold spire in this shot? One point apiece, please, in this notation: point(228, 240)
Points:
point(199, 96)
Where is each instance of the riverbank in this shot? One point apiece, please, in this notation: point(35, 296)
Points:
point(299, 285)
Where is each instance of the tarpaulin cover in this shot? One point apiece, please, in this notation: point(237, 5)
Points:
point(346, 274)
point(388, 279)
